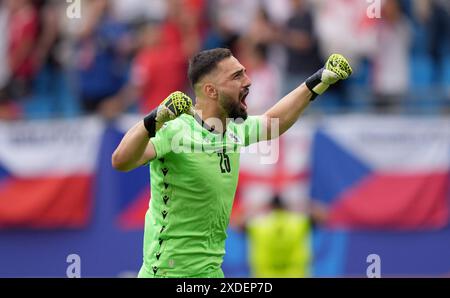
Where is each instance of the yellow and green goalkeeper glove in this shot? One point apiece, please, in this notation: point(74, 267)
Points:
point(336, 68)
point(173, 106)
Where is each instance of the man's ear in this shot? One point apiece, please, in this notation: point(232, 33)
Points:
point(210, 90)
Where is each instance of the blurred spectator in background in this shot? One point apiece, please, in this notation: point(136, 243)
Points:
point(228, 21)
point(391, 58)
point(160, 64)
point(52, 95)
point(301, 43)
point(101, 57)
point(4, 70)
point(182, 27)
point(278, 11)
point(236, 15)
point(22, 32)
point(58, 63)
point(220, 35)
point(261, 29)
point(344, 27)
point(44, 50)
point(436, 15)
point(130, 11)
point(279, 243)
point(158, 69)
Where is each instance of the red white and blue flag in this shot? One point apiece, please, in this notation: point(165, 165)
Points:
point(383, 173)
point(47, 169)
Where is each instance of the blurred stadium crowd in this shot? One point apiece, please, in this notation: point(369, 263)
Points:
point(124, 56)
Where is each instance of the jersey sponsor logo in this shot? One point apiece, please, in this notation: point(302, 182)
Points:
point(163, 126)
point(234, 138)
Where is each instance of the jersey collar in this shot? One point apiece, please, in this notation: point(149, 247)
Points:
point(205, 125)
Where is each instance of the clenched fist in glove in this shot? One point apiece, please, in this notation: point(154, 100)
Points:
point(336, 68)
point(173, 106)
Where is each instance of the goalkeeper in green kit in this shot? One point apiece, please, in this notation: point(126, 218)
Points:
point(193, 152)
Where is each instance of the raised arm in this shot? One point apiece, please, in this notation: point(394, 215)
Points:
point(287, 110)
point(136, 148)
point(290, 107)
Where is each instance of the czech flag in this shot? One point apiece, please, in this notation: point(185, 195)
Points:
point(383, 172)
point(47, 171)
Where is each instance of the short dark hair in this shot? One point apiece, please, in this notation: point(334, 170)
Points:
point(205, 62)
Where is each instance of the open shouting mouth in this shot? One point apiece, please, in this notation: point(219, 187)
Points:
point(242, 96)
